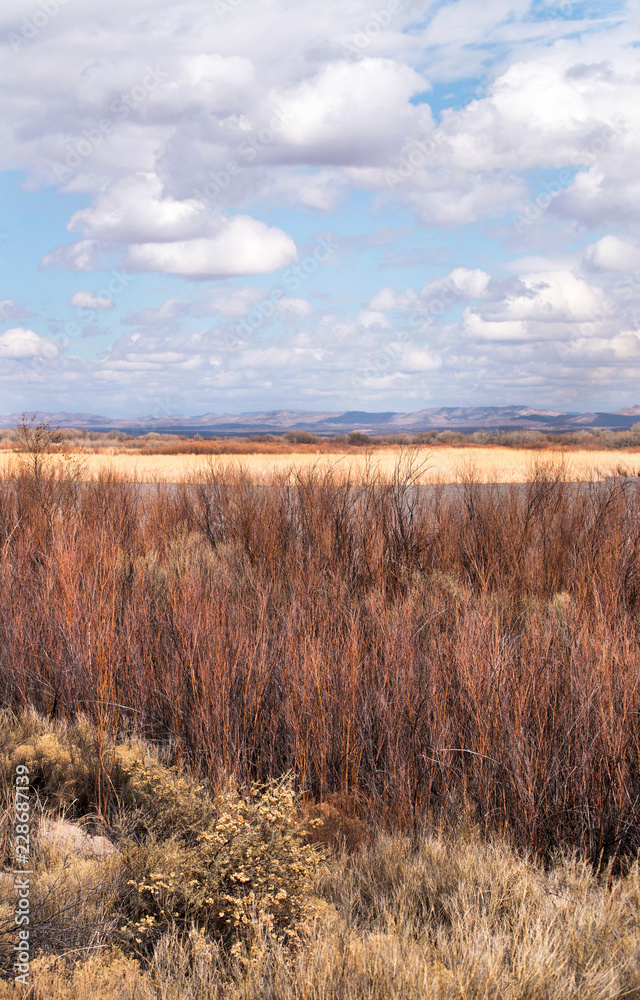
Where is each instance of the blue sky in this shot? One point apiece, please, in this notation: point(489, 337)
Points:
point(260, 204)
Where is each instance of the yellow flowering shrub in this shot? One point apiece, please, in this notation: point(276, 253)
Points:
point(251, 862)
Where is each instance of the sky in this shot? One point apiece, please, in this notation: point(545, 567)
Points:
point(246, 205)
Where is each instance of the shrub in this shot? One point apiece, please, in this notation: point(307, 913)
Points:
point(358, 438)
point(250, 863)
point(300, 437)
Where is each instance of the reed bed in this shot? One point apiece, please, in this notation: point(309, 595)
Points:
point(440, 464)
point(410, 655)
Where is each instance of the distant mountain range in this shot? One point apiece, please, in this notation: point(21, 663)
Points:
point(455, 418)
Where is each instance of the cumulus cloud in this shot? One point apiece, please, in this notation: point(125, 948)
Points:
point(623, 347)
point(416, 359)
point(435, 297)
point(370, 317)
point(237, 246)
point(85, 255)
point(472, 284)
point(614, 255)
point(89, 300)
point(232, 302)
point(135, 211)
point(477, 328)
point(169, 311)
point(384, 300)
point(242, 246)
point(550, 297)
point(221, 96)
point(351, 112)
point(11, 310)
point(19, 343)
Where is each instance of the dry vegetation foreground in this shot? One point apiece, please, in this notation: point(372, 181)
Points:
point(439, 464)
point(248, 897)
point(449, 680)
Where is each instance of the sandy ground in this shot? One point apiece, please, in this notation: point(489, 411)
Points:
point(438, 465)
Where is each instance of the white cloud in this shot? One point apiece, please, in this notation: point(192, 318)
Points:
point(135, 211)
point(208, 80)
point(295, 308)
point(233, 302)
point(420, 360)
point(20, 343)
point(613, 254)
point(169, 311)
point(350, 112)
point(242, 246)
point(623, 347)
point(321, 190)
point(11, 310)
point(82, 256)
point(550, 297)
point(384, 300)
point(370, 317)
point(206, 83)
point(471, 284)
point(477, 328)
point(460, 285)
point(89, 300)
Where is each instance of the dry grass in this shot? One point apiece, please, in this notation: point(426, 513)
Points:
point(441, 464)
point(446, 920)
point(442, 914)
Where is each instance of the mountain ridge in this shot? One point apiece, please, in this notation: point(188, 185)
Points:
point(327, 422)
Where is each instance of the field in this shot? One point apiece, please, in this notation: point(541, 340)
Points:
point(434, 693)
point(439, 464)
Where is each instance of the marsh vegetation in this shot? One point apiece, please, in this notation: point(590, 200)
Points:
point(447, 682)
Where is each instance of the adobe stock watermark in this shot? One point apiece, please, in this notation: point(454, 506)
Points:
point(21, 874)
point(77, 150)
point(565, 9)
point(625, 288)
point(420, 155)
point(165, 407)
point(224, 7)
point(219, 180)
point(292, 280)
point(377, 22)
point(536, 207)
point(32, 24)
point(629, 286)
point(422, 150)
point(380, 361)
